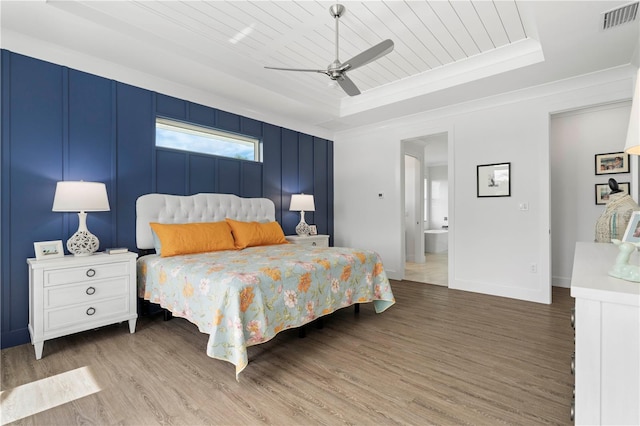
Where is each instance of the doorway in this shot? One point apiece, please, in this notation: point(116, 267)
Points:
point(427, 209)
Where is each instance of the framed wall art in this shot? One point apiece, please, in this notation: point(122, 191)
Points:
point(632, 234)
point(603, 190)
point(612, 163)
point(48, 249)
point(494, 180)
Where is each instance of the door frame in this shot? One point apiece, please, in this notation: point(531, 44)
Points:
point(406, 150)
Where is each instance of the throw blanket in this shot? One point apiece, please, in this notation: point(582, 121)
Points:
point(245, 297)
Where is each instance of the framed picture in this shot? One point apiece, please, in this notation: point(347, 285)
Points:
point(48, 249)
point(494, 180)
point(612, 163)
point(313, 230)
point(603, 190)
point(632, 234)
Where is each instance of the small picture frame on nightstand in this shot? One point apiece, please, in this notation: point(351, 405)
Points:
point(313, 230)
point(48, 249)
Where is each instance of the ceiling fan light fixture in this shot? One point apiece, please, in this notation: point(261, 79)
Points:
point(337, 70)
point(337, 10)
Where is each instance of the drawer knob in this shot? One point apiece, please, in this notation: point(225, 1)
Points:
point(91, 311)
point(573, 364)
point(314, 243)
point(91, 290)
point(573, 318)
point(91, 272)
point(572, 411)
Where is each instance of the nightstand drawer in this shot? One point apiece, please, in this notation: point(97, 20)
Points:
point(70, 317)
point(59, 296)
point(85, 273)
point(314, 243)
point(309, 241)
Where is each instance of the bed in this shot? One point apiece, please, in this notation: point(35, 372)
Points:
point(244, 295)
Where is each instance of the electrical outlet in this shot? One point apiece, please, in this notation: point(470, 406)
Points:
point(533, 268)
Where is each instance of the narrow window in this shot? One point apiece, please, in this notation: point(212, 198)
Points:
point(204, 140)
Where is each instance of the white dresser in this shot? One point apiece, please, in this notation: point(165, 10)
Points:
point(607, 326)
point(72, 294)
point(311, 240)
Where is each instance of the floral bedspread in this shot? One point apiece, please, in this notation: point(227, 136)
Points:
point(245, 297)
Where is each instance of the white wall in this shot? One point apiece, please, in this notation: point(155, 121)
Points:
point(492, 243)
point(438, 196)
point(576, 137)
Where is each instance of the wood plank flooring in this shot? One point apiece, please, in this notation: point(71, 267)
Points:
point(438, 356)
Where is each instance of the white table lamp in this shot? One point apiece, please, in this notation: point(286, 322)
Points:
point(302, 203)
point(81, 197)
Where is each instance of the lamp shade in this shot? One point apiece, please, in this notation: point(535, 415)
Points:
point(80, 196)
point(302, 202)
point(632, 146)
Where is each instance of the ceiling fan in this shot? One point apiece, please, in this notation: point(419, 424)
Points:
point(337, 70)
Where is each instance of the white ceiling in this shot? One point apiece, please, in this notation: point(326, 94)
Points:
point(214, 52)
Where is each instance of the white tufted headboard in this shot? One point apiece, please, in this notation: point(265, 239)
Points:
point(165, 208)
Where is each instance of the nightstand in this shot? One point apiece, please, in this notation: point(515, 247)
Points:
point(311, 240)
point(77, 293)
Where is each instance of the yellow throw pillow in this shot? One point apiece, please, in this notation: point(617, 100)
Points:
point(250, 234)
point(185, 238)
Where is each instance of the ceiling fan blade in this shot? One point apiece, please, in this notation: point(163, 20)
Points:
point(297, 69)
point(369, 55)
point(348, 85)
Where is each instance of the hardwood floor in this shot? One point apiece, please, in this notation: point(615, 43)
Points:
point(438, 356)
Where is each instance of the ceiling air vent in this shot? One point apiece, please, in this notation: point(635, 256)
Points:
point(620, 15)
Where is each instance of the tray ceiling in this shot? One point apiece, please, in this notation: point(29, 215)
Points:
point(216, 50)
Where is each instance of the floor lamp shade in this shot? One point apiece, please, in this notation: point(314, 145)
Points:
point(302, 203)
point(81, 197)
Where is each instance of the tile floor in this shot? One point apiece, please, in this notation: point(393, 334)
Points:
point(433, 271)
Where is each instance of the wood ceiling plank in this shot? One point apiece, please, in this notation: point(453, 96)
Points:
point(182, 20)
point(489, 15)
point(409, 27)
point(439, 31)
point(467, 13)
point(511, 20)
point(404, 60)
point(456, 29)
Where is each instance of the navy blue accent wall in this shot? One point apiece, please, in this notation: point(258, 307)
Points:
point(272, 167)
point(63, 124)
point(135, 163)
point(289, 176)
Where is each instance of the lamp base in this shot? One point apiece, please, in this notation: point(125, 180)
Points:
point(83, 243)
point(622, 268)
point(302, 228)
